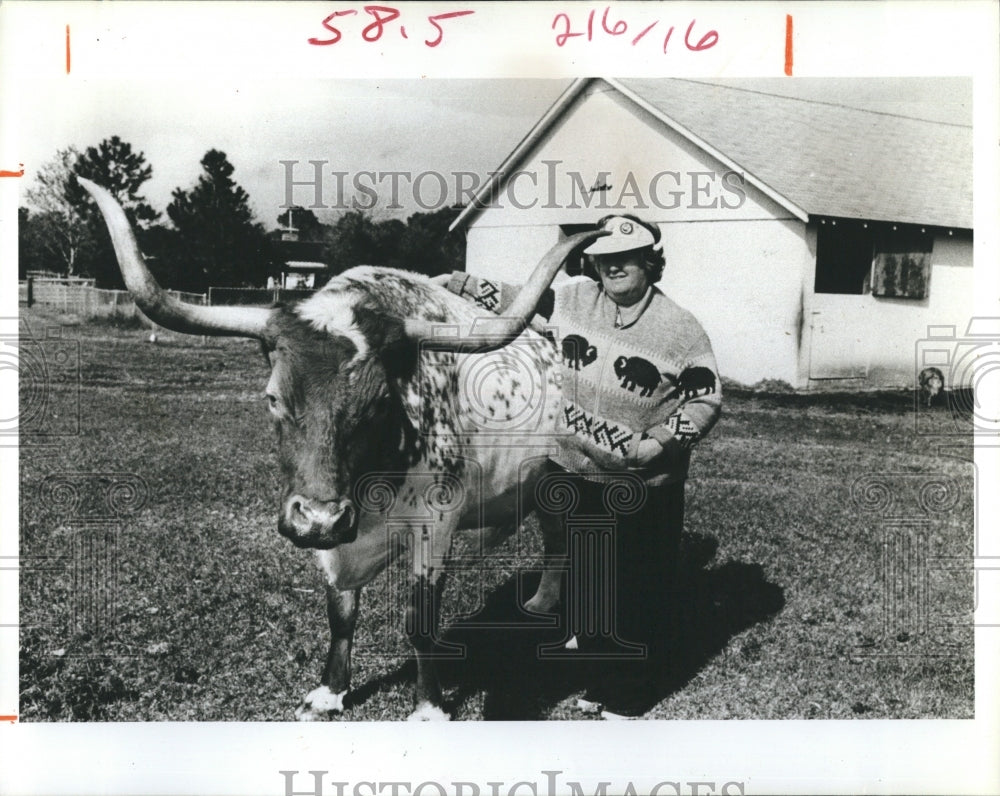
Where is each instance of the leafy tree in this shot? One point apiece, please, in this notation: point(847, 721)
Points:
point(58, 230)
point(304, 221)
point(428, 247)
point(31, 252)
point(422, 244)
point(351, 241)
point(219, 241)
point(113, 165)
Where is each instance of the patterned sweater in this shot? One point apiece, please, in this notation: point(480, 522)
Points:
point(654, 377)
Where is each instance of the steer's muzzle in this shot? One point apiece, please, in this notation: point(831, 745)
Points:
point(317, 523)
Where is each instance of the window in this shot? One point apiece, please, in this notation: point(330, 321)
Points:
point(902, 263)
point(888, 261)
point(844, 254)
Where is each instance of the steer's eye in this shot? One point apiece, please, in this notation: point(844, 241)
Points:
point(272, 401)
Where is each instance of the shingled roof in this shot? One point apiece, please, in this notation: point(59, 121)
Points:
point(817, 158)
point(829, 159)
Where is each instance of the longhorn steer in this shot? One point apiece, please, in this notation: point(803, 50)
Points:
point(371, 409)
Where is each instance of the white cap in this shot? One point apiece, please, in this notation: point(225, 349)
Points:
point(625, 236)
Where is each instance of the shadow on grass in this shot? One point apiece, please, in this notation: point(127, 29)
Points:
point(501, 642)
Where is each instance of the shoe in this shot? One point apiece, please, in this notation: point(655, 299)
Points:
point(623, 695)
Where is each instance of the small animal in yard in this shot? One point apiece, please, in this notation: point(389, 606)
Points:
point(931, 385)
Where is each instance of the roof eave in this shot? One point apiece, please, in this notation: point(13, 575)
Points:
point(534, 135)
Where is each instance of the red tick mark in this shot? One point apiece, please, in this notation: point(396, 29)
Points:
point(67, 49)
point(11, 719)
point(788, 45)
point(12, 174)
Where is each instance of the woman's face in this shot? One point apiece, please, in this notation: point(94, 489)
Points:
point(624, 278)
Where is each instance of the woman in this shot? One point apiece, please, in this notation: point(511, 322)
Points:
point(640, 388)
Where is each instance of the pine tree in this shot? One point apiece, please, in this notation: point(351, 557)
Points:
point(222, 245)
point(113, 165)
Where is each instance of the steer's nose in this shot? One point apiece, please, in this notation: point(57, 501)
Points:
point(318, 523)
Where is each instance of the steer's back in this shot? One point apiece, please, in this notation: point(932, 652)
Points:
point(486, 419)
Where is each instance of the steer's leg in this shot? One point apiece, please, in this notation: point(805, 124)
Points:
point(354, 564)
point(422, 620)
point(431, 544)
point(328, 699)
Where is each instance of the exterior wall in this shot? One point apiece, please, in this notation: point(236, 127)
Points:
point(743, 281)
point(873, 341)
point(736, 261)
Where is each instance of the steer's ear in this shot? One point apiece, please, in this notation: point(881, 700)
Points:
point(387, 338)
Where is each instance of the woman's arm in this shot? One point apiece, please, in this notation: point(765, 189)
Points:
point(490, 294)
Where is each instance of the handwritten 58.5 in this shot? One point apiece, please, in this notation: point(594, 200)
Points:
point(381, 16)
point(565, 31)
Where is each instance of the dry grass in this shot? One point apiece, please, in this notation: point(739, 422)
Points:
point(781, 613)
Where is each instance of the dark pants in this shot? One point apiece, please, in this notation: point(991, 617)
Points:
point(622, 541)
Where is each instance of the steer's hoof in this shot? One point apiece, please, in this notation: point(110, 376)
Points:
point(320, 704)
point(540, 605)
point(427, 712)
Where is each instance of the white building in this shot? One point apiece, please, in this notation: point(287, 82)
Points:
point(815, 242)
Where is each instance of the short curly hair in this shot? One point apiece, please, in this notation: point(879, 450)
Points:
point(653, 260)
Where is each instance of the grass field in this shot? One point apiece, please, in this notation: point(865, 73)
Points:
point(798, 601)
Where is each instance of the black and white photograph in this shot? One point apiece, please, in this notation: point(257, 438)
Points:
point(593, 404)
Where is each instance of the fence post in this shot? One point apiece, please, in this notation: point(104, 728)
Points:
point(31, 291)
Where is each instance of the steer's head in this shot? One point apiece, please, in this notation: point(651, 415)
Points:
point(337, 362)
point(336, 405)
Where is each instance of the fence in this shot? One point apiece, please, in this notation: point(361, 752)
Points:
point(258, 296)
point(90, 302)
point(87, 301)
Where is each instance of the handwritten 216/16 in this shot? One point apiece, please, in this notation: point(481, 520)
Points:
point(562, 23)
point(381, 17)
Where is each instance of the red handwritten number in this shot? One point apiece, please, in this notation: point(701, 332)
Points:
point(326, 24)
point(567, 34)
point(666, 40)
point(433, 20)
point(618, 28)
point(379, 24)
point(706, 41)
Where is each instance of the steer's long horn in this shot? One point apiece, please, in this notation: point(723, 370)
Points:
point(490, 334)
point(158, 305)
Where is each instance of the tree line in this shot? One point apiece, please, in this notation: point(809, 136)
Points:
point(210, 236)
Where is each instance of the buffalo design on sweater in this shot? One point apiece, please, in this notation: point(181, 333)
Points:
point(654, 377)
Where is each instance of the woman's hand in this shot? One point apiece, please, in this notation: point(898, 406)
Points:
point(441, 279)
point(649, 450)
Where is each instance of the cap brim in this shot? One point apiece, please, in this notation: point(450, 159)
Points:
point(613, 245)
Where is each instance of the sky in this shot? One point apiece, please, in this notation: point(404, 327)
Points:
point(357, 125)
point(395, 125)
